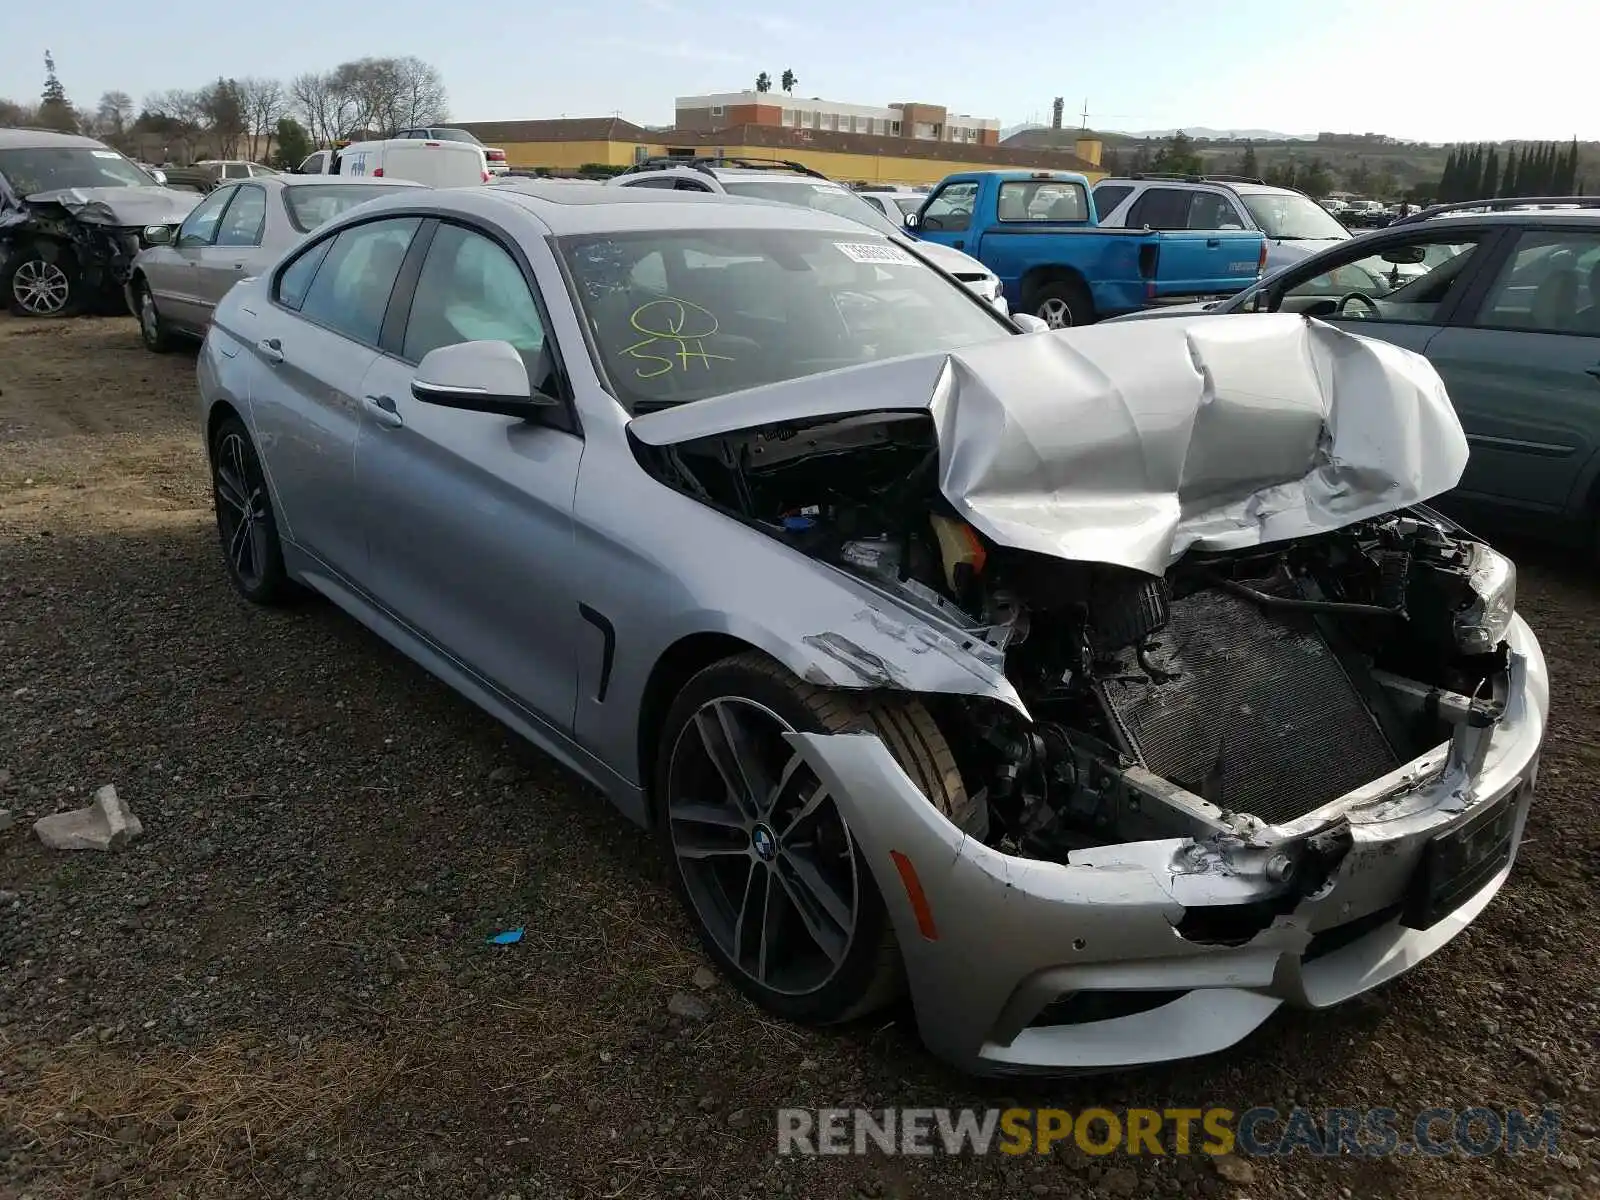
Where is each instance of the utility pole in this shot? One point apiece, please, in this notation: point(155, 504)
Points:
point(1056, 109)
point(1085, 113)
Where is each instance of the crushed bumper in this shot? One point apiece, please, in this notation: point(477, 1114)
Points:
point(1017, 942)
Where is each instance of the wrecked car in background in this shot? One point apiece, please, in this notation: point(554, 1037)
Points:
point(1111, 687)
point(73, 213)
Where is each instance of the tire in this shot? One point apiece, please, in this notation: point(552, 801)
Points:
point(152, 330)
point(858, 970)
point(246, 528)
point(43, 280)
point(1063, 304)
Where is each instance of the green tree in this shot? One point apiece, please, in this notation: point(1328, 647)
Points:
point(1248, 166)
point(293, 144)
point(55, 110)
point(1178, 156)
point(1447, 181)
point(763, 82)
point(1491, 173)
point(1316, 180)
point(1508, 181)
point(788, 81)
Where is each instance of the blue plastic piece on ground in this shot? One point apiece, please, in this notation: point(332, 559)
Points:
point(798, 524)
point(507, 937)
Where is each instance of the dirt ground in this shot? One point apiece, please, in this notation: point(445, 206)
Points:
point(283, 988)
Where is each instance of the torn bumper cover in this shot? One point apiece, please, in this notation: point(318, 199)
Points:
point(1149, 951)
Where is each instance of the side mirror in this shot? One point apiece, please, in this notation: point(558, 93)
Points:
point(480, 377)
point(913, 220)
point(1029, 323)
point(157, 235)
point(159, 176)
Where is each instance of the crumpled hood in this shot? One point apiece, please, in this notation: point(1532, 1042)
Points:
point(1130, 443)
point(128, 206)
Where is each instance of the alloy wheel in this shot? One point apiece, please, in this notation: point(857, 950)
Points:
point(149, 319)
point(765, 856)
point(241, 509)
point(1056, 313)
point(40, 288)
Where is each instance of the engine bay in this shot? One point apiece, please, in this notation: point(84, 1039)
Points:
point(1240, 690)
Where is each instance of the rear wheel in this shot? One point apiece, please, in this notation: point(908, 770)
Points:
point(1063, 304)
point(44, 281)
point(762, 857)
point(246, 528)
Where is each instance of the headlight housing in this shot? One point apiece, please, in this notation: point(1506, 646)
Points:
point(1482, 624)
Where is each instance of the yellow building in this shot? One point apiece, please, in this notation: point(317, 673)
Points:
point(570, 144)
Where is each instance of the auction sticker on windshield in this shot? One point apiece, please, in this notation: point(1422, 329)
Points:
point(873, 252)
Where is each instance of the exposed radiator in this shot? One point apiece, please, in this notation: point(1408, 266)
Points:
point(1261, 717)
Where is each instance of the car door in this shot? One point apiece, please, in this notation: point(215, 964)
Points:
point(1365, 288)
point(175, 278)
point(469, 514)
point(947, 216)
point(232, 254)
point(1523, 369)
point(319, 336)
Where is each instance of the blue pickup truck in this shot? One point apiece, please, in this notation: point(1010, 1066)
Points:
point(1038, 232)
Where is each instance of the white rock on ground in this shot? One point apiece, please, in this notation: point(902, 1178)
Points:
point(107, 824)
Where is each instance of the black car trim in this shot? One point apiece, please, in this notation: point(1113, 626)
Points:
point(608, 647)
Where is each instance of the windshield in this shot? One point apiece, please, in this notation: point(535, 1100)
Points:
point(683, 315)
point(829, 197)
point(49, 168)
point(909, 204)
point(317, 203)
point(1291, 217)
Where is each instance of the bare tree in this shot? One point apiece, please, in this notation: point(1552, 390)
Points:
point(224, 116)
point(265, 101)
point(420, 98)
point(323, 105)
point(175, 117)
point(12, 113)
point(114, 115)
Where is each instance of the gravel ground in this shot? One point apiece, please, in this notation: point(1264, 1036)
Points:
point(283, 988)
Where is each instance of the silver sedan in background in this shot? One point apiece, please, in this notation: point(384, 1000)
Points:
point(234, 232)
point(1109, 687)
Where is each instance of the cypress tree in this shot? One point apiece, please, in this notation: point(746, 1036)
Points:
point(1491, 174)
point(1447, 180)
point(1508, 185)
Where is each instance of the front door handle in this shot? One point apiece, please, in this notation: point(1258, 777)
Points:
point(959, 243)
point(1213, 243)
point(384, 412)
point(1595, 371)
point(271, 349)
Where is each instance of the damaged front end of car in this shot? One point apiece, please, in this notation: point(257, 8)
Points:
point(1274, 725)
point(98, 232)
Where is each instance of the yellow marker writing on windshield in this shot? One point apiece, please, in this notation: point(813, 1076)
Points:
point(673, 321)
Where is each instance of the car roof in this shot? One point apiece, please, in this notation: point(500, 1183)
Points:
point(585, 207)
point(34, 139)
point(300, 181)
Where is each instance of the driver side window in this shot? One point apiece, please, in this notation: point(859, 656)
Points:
point(1407, 282)
point(950, 210)
point(200, 226)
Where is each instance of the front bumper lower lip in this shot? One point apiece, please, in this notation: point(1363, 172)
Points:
point(1015, 934)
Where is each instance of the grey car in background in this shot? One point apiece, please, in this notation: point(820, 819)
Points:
point(237, 230)
point(1110, 687)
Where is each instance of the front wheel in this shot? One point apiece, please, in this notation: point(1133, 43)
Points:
point(1063, 304)
point(44, 281)
point(762, 858)
point(152, 330)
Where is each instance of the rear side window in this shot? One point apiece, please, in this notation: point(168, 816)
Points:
point(1209, 210)
point(1108, 196)
point(350, 292)
point(1161, 208)
point(666, 184)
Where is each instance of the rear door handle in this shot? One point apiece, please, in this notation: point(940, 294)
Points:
point(384, 412)
point(959, 243)
point(271, 349)
point(1595, 371)
point(1213, 243)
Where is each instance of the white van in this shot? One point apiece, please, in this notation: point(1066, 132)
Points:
point(436, 164)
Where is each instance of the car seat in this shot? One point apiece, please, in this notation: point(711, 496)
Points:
point(1555, 304)
point(1012, 207)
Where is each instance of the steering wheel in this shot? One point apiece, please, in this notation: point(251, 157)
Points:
point(1348, 297)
